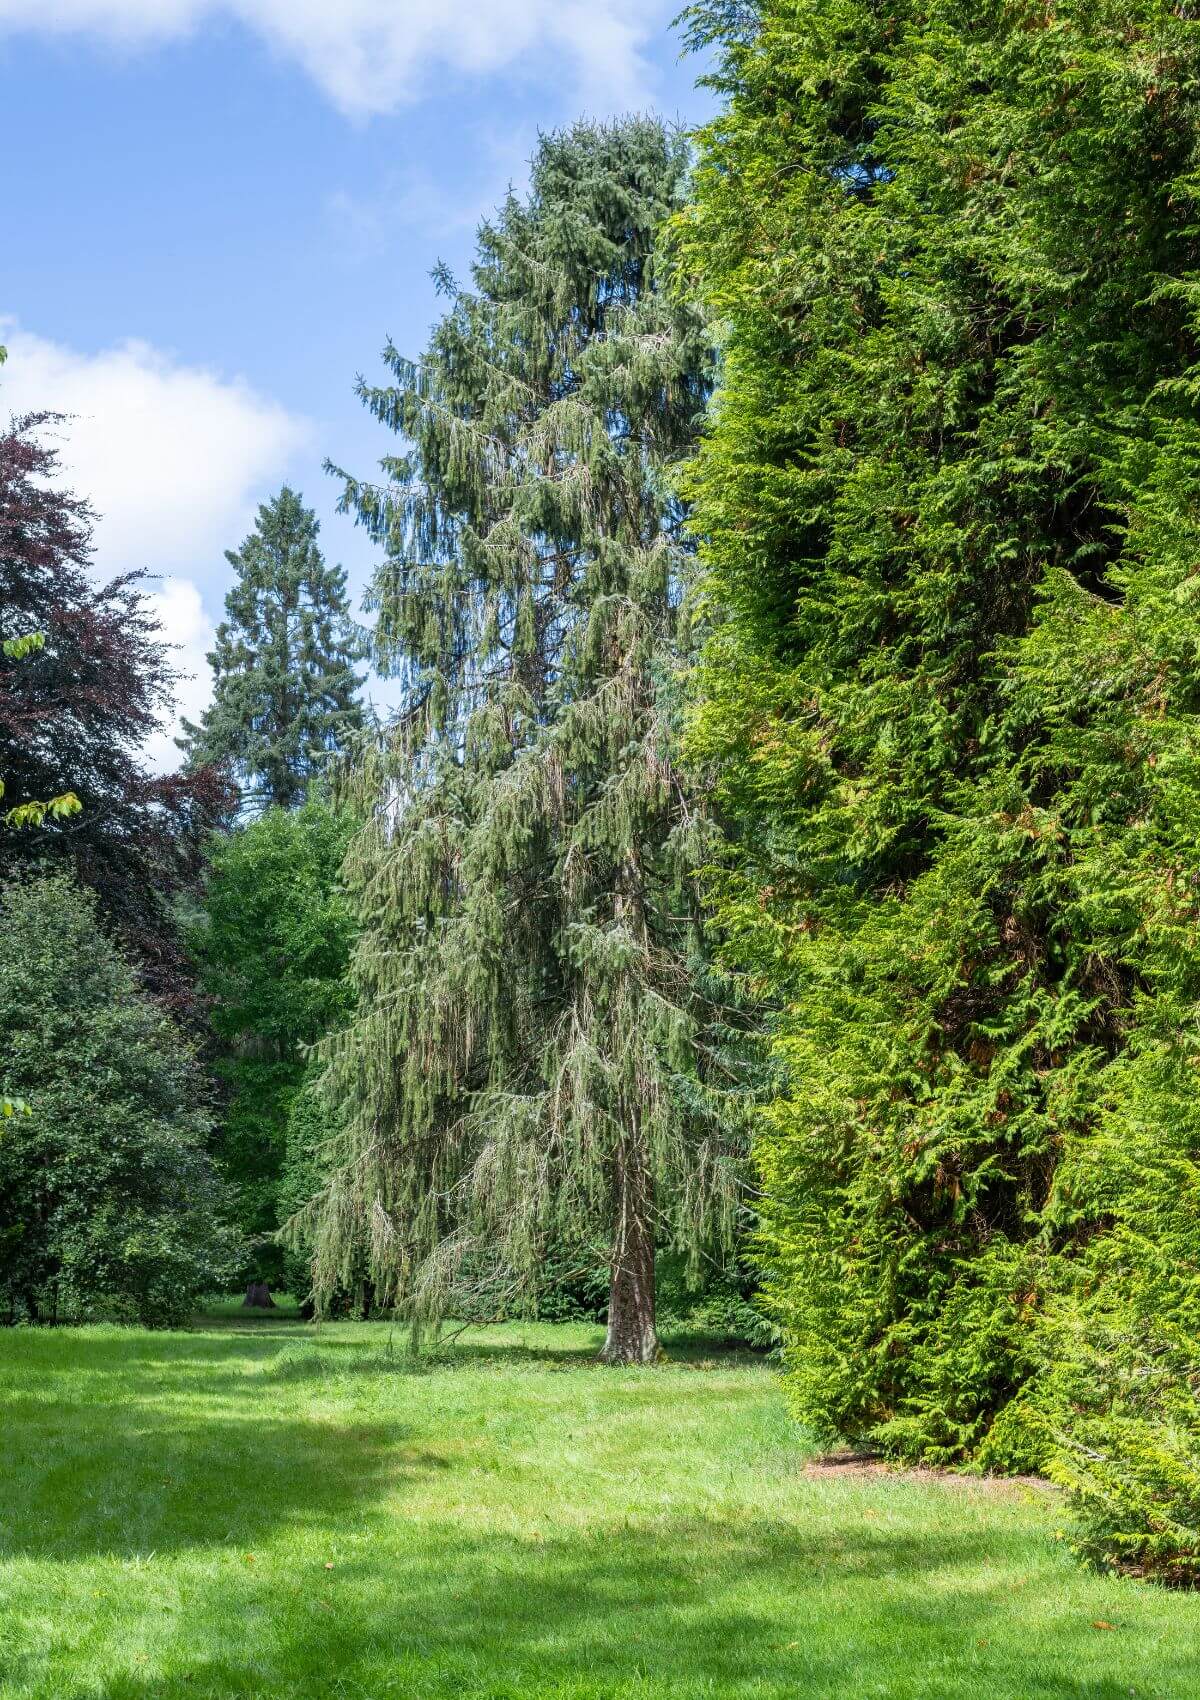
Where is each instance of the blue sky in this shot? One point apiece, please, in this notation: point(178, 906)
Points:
point(223, 207)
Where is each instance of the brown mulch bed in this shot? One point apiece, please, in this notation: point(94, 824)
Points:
point(862, 1466)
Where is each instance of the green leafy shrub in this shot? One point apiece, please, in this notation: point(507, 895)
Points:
point(300, 1179)
point(311, 1122)
point(109, 1204)
point(272, 946)
point(572, 1287)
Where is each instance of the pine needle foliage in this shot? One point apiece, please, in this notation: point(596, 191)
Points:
point(537, 1057)
point(951, 502)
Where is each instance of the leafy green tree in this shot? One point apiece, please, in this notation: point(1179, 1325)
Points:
point(109, 1205)
point(531, 1062)
point(271, 946)
point(285, 689)
point(951, 503)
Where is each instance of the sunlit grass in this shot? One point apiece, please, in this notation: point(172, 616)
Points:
point(262, 1508)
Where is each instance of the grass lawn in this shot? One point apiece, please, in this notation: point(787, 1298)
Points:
point(262, 1508)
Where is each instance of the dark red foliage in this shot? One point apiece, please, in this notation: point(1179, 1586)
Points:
point(75, 715)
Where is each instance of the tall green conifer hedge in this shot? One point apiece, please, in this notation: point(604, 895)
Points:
point(951, 504)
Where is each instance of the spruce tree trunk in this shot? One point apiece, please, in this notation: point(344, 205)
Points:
point(632, 1335)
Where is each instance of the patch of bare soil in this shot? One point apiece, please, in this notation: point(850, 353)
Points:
point(861, 1466)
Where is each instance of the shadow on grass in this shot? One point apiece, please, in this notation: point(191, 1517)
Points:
point(35, 1354)
point(249, 1322)
point(173, 1442)
point(356, 1354)
point(325, 1354)
point(126, 1444)
point(690, 1608)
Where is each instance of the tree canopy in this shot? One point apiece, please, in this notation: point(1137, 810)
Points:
point(109, 1205)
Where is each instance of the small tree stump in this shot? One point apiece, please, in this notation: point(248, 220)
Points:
point(258, 1297)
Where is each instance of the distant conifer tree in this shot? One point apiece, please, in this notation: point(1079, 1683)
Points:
point(286, 692)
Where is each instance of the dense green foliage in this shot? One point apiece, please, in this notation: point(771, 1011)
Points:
point(532, 1059)
point(309, 1126)
point(285, 693)
point(255, 1510)
point(271, 947)
point(1129, 1456)
point(951, 502)
point(109, 1205)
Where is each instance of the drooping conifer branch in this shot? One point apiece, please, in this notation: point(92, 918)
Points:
point(531, 1061)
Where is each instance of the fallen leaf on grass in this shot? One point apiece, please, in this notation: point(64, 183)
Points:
point(1100, 1623)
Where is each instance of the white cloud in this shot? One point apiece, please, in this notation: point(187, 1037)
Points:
point(173, 459)
point(186, 625)
point(368, 56)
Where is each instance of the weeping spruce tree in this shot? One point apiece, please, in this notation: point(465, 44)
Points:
point(534, 1061)
point(951, 508)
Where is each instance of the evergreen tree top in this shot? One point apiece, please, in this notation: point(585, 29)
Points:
point(551, 391)
point(285, 687)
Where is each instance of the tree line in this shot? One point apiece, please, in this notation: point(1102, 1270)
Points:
point(781, 870)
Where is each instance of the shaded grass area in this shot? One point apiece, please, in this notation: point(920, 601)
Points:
point(261, 1508)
